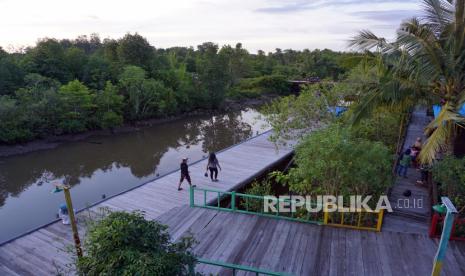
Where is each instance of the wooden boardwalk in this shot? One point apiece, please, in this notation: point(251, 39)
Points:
point(306, 249)
point(411, 214)
point(43, 251)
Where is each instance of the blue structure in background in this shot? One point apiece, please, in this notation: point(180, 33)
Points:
point(437, 109)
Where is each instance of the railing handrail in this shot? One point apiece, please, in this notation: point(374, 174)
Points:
point(246, 195)
point(276, 214)
point(241, 267)
point(358, 210)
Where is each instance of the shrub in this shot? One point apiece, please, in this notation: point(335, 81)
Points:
point(330, 162)
point(450, 173)
point(259, 189)
point(127, 244)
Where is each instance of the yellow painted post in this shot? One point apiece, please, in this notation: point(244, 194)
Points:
point(69, 205)
point(325, 215)
point(380, 220)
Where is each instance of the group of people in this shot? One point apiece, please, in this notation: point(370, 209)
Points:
point(409, 157)
point(212, 165)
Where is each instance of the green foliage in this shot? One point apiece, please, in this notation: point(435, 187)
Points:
point(127, 244)
point(109, 107)
point(11, 75)
point(255, 87)
point(212, 76)
point(330, 161)
point(77, 105)
point(48, 59)
point(423, 64)
point(13, 124)
point(145, 98)
point(147, 82)
point(450, 173)
point(135, 50)
point(293, 116)
point(260, 189)
point(382, 126)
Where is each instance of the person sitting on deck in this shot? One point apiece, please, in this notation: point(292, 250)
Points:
point(185, 173)
point(404, 163)
point(63, 214)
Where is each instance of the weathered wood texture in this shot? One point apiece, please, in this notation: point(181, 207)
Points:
point(305, 249)
point(411, 214)
point(43, 251)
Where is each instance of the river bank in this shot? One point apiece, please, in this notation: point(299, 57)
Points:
point(101, 166)
point(53, 141)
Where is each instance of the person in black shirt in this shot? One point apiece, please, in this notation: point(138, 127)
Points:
point(184, 173)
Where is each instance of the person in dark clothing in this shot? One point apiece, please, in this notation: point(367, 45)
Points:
point(185, 174)
point(213, 166)
point(404, 163)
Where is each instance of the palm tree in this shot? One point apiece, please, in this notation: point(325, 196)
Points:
point(426, 61)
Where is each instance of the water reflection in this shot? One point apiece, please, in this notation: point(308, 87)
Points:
point(109, 164)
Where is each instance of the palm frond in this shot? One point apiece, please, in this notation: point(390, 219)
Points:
point(420, 42)
point(367, 40)
point(365, 107)
point(435, 143)
point(438, 13)
point(440, 131)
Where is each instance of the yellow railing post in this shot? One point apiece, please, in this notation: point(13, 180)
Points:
point(380, 220)
point(69, 205)
point(325, 215)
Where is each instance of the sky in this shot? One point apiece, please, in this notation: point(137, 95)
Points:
point(257, 24)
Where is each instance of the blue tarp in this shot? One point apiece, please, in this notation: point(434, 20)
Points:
point(338, 110)
point(437, 109)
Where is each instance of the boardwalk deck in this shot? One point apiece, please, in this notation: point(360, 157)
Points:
point(411, 214)
point(305, 249)
point(43, 251)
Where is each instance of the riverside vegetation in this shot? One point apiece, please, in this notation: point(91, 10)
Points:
point(70, 86)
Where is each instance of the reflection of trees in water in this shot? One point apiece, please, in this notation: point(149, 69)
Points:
point(224, 130)
point(141, 152)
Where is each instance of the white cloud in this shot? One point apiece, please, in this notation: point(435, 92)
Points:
point(258, 24)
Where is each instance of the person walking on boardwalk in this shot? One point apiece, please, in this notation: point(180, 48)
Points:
point(213, 166)
point(404, 163)
point(185, 173)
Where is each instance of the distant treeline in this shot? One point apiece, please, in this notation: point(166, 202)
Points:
point(69, 86)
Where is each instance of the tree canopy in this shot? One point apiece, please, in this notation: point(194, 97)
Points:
point(74, 85)
point(424, 63)
point(128, 244)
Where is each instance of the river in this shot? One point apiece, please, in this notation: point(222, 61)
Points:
point(107, 165)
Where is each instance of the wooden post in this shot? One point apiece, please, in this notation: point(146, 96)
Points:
point(69, 205)
point(445, 236)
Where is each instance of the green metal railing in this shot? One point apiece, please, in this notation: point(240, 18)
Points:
point(235, 268)
point(253, 204)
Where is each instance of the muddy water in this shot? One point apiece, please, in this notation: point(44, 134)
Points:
point(107, 165)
